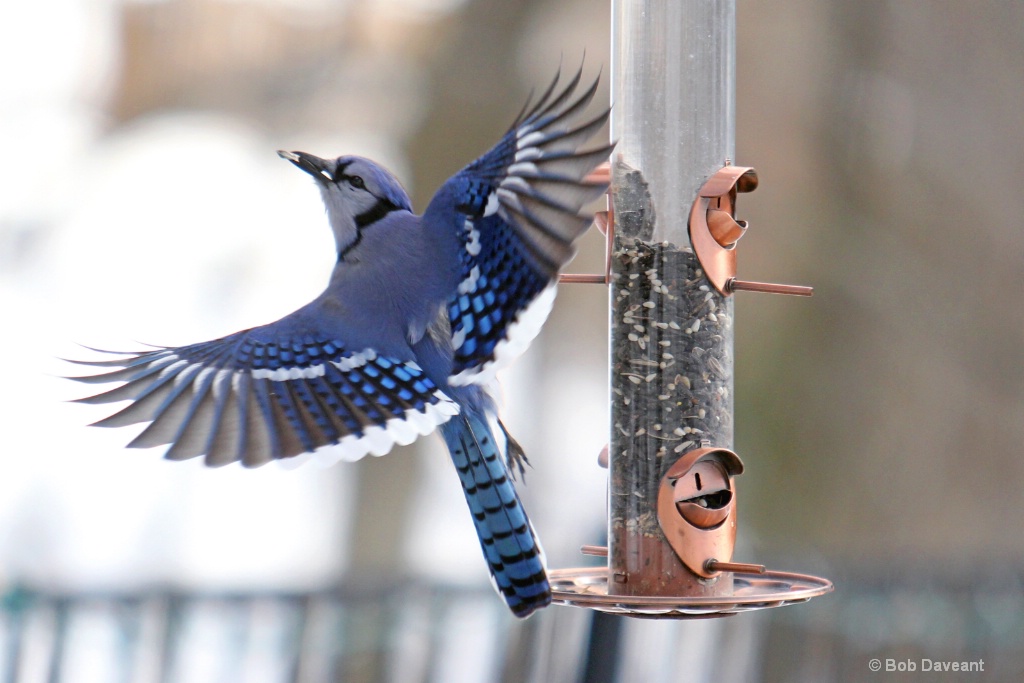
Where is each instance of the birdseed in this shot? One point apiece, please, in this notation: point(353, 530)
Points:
point(665, 314)
point(689, 394)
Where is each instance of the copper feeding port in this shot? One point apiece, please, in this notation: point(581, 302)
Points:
point(697, 508)
point(714, 232)
point(703, 495)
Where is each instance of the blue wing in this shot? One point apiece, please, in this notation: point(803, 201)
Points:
point(518, 213)
point(255, 396)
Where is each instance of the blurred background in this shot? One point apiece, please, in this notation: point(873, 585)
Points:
point(881, 422)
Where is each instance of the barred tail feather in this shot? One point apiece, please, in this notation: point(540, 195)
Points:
point(509, 544)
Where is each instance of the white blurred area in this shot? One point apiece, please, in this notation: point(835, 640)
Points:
point(180, 224)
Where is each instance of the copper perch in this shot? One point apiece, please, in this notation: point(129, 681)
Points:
point(583, 279)
point(595, 550)
point(714, 565)
point(734, 285)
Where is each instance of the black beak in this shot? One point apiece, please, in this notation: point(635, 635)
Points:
point(315, 166)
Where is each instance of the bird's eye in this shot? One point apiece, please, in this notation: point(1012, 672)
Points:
point(356, 182)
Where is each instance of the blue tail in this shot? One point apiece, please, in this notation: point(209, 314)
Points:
point(506, 537)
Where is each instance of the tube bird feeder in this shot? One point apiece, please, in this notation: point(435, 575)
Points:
point(672, 507)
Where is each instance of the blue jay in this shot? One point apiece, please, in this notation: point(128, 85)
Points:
point(419, 314)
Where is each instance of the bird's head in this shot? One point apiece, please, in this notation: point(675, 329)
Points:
point(357, 193)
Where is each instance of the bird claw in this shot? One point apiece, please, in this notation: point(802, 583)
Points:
point(515, 456)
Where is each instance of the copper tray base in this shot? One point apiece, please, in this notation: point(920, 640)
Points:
point(588, 587)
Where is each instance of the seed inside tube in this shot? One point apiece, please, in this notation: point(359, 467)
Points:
point(667, 302)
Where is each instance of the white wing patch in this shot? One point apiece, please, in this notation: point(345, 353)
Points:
point(356, 360)
point(172, 367)
point(520, 333)
point(459, 338)
point(492, 205)
point(380, 439)
point(522, 167)
point(285, 374)
point(526, 142)
point(468, 285)
point(347, 363)
point(235, 414)
point(473, 235)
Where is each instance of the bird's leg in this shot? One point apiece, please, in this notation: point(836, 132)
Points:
point(515, 456)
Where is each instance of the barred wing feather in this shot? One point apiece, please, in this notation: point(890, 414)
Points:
point(243, 398)
point(519, 213)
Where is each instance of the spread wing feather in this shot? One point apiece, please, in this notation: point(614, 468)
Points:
point(519, 214)
point(253, 397)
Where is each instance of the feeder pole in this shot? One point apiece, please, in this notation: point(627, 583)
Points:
point(673, 90)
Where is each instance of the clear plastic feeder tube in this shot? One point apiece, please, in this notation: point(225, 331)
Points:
point(671, 332)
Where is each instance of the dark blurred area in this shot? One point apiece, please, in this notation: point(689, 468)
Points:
point(881, 421)
point(886, 412)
